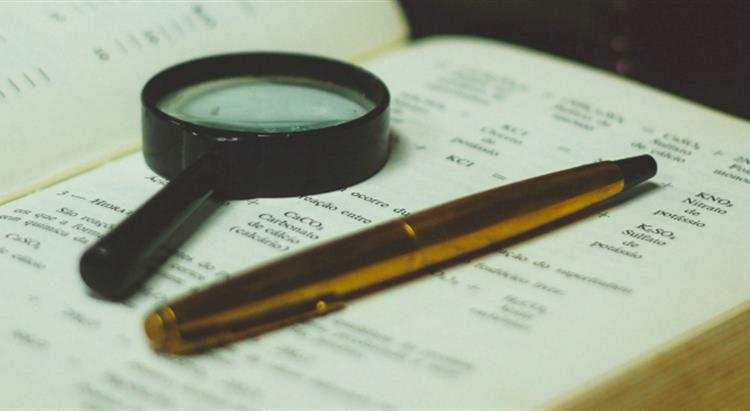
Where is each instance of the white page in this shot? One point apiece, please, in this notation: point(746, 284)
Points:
point(513, 329)
point(71, 72)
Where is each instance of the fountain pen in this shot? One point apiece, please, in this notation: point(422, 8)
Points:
point(322, 279)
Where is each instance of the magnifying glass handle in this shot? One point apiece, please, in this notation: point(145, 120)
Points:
point(132, 251)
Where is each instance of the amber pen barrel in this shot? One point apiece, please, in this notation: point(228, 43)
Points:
point(319, 280)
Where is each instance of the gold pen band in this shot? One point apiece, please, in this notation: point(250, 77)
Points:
point(321, 279)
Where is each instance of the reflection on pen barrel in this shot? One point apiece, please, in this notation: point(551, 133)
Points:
point(319, 280)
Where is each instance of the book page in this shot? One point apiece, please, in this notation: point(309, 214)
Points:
point(71, 72)
point(514, 329)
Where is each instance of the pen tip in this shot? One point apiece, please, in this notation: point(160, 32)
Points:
point(636, 170)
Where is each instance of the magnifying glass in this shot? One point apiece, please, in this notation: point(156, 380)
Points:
point(235, 127)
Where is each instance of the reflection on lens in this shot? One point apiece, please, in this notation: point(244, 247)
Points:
point(265, 104)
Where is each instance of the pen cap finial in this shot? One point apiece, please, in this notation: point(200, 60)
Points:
point(154, 327)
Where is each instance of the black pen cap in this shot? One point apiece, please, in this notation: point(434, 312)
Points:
point(636, 170)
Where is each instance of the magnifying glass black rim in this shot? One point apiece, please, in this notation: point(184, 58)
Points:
point(159, 86)
point(269, 164)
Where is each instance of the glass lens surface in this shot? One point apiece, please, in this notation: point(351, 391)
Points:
point(265, 104)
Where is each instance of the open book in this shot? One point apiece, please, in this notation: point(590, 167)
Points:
point(640, 303)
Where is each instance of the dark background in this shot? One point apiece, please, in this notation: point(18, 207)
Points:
point(699, 49)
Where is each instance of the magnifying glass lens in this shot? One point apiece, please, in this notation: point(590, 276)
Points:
point(265, 104)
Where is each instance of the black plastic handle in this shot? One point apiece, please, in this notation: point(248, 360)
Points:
point(119, 262)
